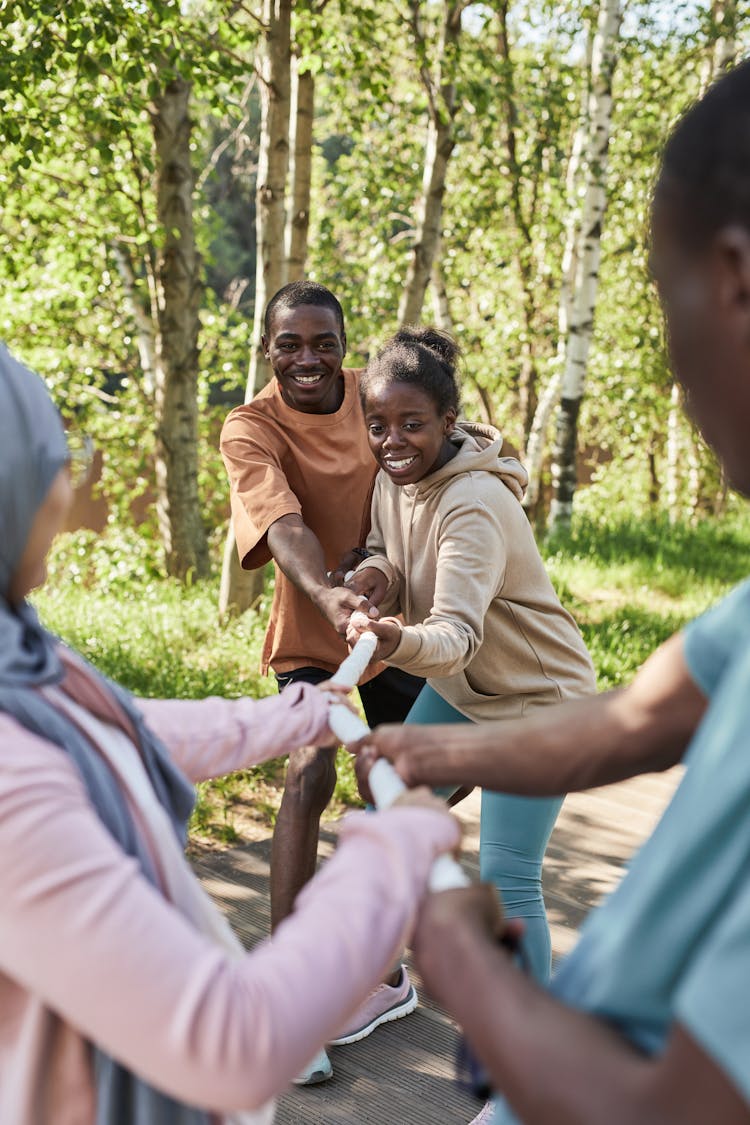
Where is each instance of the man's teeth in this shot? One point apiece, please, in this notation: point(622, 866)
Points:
point(306, 380)
point(400, 464)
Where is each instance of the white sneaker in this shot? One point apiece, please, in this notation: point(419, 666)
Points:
point(317, 1070)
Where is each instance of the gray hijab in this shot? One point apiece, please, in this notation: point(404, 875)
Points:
point(33, 449)
point(32, 452)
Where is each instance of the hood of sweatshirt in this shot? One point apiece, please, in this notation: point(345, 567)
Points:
point(479, 448)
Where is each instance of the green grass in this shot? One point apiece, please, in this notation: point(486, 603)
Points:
point(629, 584)
point(163, 640)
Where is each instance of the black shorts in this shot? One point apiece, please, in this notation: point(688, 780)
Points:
point(386, 698)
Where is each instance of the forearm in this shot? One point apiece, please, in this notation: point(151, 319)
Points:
point(556, 1066)
point(212, 737)
point(570, 746)
point(435, 648)
point(587, 744)
point(298, 553)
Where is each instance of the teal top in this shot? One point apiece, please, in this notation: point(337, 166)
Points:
point(672, 943)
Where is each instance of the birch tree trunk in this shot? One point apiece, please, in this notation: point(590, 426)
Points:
point(275, 67)
point(441, 96)
point(143, 316)
point(603, 60)
point(300, 171)
point(443, 318)
point(178, 275)
point(441, 309)
point(240, 588)
point(537, 439)
point(722, 51)
point(524, 249)
point(673, 454)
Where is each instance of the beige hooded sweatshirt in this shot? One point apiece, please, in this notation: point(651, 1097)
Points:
point(482, 621)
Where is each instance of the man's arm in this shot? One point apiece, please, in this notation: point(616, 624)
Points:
point(555, 1065)
point(573, 745)
point(299, 554)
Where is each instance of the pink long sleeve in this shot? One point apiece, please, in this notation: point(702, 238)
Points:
point(211, 737)
point(81, 929)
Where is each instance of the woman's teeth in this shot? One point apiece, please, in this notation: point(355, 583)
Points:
point(400, 464)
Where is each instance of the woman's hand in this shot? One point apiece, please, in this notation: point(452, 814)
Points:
point(424, 798)
point(421, 798)
point(387, 630)
point(371, 583)
point(339, 693)
point(334, 693)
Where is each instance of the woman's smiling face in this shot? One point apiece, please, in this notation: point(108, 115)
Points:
point(408, 436)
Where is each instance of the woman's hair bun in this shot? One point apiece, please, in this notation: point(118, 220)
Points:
point(440, 343)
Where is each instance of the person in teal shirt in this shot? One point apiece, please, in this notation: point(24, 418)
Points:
point(648, 1019)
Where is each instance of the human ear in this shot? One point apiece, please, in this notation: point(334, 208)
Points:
point(265, 344)
point(449, 421)
point(731, 262)
point(343, 343)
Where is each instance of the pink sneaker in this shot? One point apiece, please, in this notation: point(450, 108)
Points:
point(388, 1002)
point(485, 1116)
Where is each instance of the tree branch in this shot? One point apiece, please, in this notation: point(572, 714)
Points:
point(230, 139)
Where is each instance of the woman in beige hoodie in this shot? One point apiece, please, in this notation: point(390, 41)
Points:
point(451, 551)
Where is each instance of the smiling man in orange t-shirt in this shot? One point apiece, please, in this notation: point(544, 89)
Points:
point(301, 476)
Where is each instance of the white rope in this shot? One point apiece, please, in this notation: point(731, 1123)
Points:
point(385, 784)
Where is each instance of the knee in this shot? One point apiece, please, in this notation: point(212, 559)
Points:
point(518, 877)
point(311, 778)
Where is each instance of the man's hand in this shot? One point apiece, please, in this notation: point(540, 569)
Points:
point(349, 562)
point(449, 918)
point(338, 603)
point(409, 748)
point(300, 556)
point(412, 750)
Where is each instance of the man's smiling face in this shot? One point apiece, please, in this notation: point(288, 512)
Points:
point(306, 347)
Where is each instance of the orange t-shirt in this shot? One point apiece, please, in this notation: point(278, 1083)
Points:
point(283, 461)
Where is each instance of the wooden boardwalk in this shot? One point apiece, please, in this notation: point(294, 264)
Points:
point(404, 1073)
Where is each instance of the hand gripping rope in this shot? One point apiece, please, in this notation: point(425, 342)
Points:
point(385, 783)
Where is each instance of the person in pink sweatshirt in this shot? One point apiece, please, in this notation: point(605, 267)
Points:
point(124, 997)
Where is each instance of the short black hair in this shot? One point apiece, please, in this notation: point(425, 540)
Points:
point(705, 168)
point(423, 357)
point(298, 293)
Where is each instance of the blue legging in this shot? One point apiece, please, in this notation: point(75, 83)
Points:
point(513, 836)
